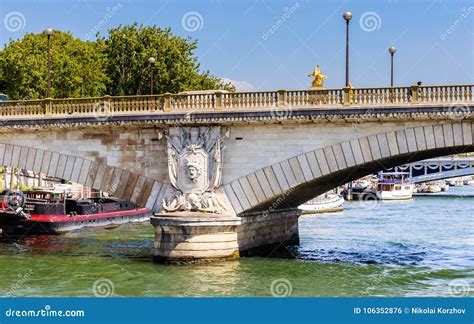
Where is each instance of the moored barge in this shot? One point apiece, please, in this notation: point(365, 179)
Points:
point(53, 212)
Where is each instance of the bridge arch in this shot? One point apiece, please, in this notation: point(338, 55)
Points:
point(142, 190)
point(444, 175)
point(293, 181)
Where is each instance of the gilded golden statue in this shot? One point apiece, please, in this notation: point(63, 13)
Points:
point(318, 76)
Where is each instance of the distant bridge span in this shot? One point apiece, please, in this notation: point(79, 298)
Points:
point(438, 169)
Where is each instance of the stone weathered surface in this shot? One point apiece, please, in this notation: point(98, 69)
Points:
point(198, 236)
point(189, 235)
point(269, 165)
point(263, 157)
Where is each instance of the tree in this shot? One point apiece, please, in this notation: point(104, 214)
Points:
point(77, 67)
point(176, 69)
point(114, 65)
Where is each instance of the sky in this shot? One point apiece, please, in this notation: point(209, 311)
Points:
point(268, 45)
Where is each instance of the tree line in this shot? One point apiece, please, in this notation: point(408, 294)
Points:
point(116, 64)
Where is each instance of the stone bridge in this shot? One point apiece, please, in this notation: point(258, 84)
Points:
point(438, 169)
point(225, 172)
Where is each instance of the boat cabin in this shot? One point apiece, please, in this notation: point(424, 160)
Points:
point(53, 202)
point(388, 181)
point(394, 186)
point(45, 202)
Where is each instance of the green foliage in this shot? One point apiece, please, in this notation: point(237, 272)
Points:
point(115, 65)
point(23, 187)
point(175, 69)
point(77, 67)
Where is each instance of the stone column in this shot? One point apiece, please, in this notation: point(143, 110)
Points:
point(197, 221)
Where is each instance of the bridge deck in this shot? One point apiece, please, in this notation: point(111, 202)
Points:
point(454, 97)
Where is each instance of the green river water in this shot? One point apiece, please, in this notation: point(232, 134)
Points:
point(422, 247)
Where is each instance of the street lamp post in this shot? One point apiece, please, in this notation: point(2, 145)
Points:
point(48, 32)
point(392, 51)
point(347, 16)
point(151, 60)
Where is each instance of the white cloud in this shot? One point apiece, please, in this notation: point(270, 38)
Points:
point(241, 85)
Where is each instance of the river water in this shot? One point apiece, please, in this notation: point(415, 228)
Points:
point(422, 247)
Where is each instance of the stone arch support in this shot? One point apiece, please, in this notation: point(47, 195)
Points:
point(300, 178)
point(143, 191)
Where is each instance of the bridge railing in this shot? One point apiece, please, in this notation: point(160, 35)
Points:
point(381, 96)
point(312, 98)
point(83, 106)
point(132, 104)
point(442, 94)
point(248, 100)
point(21, 108)
point(220, 100)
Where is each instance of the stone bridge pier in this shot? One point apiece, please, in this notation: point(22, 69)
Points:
point(196, 236)
point(235, 189)
point(198, 220)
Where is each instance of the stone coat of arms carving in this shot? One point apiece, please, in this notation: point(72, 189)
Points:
point(195, 169)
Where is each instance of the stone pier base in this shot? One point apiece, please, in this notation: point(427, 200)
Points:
point(187, 237)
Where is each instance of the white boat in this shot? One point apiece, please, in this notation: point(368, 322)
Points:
point(394, 186)
point(444, 186)
point(361, 184)
point(432, 187)
point(420, 187)
point(326, 203)
point(455, 182)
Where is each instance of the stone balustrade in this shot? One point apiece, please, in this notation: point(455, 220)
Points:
point(241, 101)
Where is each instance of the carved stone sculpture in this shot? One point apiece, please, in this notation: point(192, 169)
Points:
point(195, 169)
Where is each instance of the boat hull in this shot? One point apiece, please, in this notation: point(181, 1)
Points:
point(396, 197)
point(396, 194)
point(434, 190)
point(54, 224)
point(330, 204)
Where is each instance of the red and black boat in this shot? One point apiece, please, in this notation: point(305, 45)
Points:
point(52, 212)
